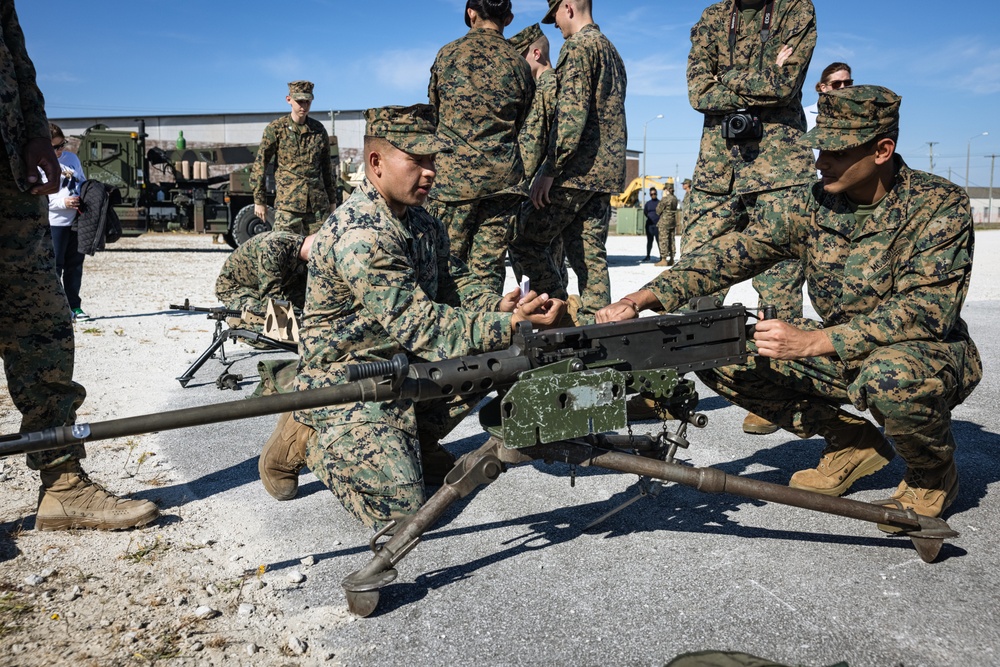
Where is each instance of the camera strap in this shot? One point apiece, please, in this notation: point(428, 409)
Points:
point(734, 26)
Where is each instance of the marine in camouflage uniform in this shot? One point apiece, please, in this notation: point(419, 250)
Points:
point(534, 137)
point(667, 224)
point(305, 189)
point(584, 164)
point(482, 90)
point(36, 327)
point(887, 277)
point(381, 283)
point(735, 179)
point(268, 266)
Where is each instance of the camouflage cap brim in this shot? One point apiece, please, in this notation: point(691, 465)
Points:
point(420, 144)
point(302, 97)
point(550, 16)
point(524, 39)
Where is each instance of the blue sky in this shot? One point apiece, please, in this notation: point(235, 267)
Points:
point(118, 57)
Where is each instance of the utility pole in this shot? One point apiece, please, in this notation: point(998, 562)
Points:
point(989, 210)
point(931, 145)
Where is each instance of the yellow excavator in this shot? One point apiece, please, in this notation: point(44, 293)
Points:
point(630, 197)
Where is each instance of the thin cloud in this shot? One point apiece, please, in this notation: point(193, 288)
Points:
point(656, 77)
point(59, 77)
point(405, 70)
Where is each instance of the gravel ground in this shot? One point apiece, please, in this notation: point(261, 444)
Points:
point(229, 576)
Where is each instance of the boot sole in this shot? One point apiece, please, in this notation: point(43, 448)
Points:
point(869, 466)
point(760, 429)
point(90, 523)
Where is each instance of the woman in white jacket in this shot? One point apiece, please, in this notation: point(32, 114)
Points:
point(63, 207)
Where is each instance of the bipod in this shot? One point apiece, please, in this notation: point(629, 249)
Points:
point(218, 342)
point(485, 465)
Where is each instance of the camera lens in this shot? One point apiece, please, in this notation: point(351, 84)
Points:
point(737, 124)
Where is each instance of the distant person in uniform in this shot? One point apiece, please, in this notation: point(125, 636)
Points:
point(382, 281)
point(305, 187)
point(887, 252)
point(36, 326)
point(666, 224)
point(584, 163)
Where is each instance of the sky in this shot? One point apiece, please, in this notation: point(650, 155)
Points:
point(118, 57)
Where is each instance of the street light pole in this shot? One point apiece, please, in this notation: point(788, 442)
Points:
point(643, 188)
point(968, 152)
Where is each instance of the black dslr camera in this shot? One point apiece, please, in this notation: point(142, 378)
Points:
point(742, 125)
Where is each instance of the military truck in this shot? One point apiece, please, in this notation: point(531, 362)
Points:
point(187, 198)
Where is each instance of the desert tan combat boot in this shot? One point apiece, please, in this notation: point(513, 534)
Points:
point(928, 492)
point(855, 448)
point(70, 499)
point(284, 455)
point(757, 425)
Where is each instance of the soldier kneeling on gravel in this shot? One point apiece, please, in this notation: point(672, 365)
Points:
point(36, 329)
point(382, 281)
point(887, 252)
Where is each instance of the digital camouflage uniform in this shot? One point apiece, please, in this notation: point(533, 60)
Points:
point(266, 267)
point(889, 290)
point(36, 329)
point(482, 90)
point(379, 285)
point(734, 180)
point(667, 223)
point(533, 140)
point(303, 175)
point(586, 158)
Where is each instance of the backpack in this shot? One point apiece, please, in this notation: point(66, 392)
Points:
point(97, 223)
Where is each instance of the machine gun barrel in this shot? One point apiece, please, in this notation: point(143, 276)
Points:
point(216, 312)
point(688, 341)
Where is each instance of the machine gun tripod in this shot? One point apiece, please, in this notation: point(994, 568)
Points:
point(223, 317)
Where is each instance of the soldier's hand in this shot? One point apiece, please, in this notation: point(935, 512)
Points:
point(783, 55)
point(781, 340)
point(540, 191)
point(540, 310)
point(510, 300)
point(260, 210)
point(39, 155)
point(628, 307)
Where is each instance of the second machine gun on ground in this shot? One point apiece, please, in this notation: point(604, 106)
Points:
point(561, 397)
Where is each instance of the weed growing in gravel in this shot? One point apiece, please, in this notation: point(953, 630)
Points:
point(94, 331)
point(144, 550)
point(13, 607)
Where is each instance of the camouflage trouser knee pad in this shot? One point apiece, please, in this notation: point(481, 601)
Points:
point(373, 469)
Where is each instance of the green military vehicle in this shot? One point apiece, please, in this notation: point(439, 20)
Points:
point(189, 199)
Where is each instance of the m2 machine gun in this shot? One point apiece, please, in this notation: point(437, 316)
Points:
point(561, 398)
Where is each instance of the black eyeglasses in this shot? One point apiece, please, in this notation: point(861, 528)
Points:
point(59, 147)
point(837, 85)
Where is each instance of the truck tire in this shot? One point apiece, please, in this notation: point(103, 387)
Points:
point(246, 224)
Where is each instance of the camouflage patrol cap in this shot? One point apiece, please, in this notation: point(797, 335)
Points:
point(522, 40)
point(687, 181)
point(852, 116)
point(411, 129)
point(300, 90)
point(550, 16)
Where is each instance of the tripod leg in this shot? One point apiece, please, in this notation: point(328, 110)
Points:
point(476, 469)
